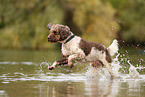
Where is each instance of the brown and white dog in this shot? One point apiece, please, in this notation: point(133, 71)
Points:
point(75, 49)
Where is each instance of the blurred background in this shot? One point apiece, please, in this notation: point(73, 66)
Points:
point(25, 52)
point(23, 22)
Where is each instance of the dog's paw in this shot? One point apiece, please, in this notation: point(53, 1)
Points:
point(50, 68)
point(53, 66)
point(70, 64)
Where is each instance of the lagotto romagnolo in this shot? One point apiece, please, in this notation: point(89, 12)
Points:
point(75, 49)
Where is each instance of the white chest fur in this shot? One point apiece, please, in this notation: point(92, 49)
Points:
point(72, 47)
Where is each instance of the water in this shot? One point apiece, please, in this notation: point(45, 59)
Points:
point(25, 74)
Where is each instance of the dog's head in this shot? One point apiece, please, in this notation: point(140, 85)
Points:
point(58, 33)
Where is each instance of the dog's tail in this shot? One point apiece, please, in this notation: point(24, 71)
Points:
point(113, 48)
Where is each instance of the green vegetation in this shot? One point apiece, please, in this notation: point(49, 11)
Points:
point(23, 23)
point(131, 15)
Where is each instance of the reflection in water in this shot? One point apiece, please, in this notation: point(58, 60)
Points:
point(90, 87)
point(20, 78)
point(115, 88)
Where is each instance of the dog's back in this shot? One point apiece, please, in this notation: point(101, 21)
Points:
point(89, 51)
point(75, 48)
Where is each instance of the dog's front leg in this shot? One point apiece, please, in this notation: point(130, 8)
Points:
point(63, 61)
point(52, 66)
point(71, 58)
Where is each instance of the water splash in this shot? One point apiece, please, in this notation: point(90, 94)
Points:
point(42, 66)
point(103, 72)
point(132, 71)
point(121, 68)
point(116, 69)
point(97, 73)
point(116, 66)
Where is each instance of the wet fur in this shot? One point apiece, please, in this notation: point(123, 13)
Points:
point(77, 49)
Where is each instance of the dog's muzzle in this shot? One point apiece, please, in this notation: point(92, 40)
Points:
point(51, 40)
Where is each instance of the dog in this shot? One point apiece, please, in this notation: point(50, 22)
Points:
point(75, 49)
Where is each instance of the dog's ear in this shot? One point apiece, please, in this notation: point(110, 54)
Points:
point(64, 32)
point(64, 28)
point(49, 26)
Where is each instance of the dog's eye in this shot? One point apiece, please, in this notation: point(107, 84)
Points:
point(55, 32)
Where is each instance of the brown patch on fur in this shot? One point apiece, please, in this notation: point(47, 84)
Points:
point(64, 34)
point(108, 57)
point(63, 61)
point(87, 46)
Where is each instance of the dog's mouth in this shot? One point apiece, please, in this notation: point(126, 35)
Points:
point(52, 41)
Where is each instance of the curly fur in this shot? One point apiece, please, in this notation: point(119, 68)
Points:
point(78, 50)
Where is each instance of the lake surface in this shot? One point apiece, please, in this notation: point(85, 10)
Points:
point(24, 73)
